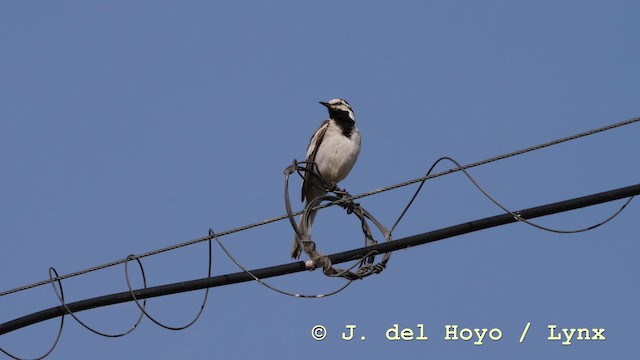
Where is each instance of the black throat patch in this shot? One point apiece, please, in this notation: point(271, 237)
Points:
point(343, 120)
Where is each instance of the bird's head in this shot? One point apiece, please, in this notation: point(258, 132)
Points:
point(339, 109)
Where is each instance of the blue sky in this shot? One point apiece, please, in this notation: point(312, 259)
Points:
point(126, 127)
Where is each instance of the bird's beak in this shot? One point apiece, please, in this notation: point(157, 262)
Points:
point(324, 103)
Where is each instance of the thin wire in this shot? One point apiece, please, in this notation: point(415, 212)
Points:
point(528, 222)
point(262, 282)
point(373, 192)
point(500, 157)
point(413, 198)
point(516, 215)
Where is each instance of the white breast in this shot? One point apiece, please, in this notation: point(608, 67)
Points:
point(337, 153)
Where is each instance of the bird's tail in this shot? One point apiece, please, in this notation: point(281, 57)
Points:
point(312, 188)
point(296, 247)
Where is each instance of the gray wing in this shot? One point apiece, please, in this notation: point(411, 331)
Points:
point(310, 181)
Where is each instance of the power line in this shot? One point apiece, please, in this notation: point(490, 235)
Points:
point(337, 258)
point(501, 157)
point(373, 192)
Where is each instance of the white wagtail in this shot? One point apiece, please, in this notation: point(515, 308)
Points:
point(334, 149)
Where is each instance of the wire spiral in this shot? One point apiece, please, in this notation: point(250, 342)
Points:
point(365, 265)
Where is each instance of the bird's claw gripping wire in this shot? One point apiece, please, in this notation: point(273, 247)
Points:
point(345, 201)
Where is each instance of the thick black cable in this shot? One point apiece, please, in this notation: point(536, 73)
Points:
point(299, 266)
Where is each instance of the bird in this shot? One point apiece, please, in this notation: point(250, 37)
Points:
point(332, 152)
